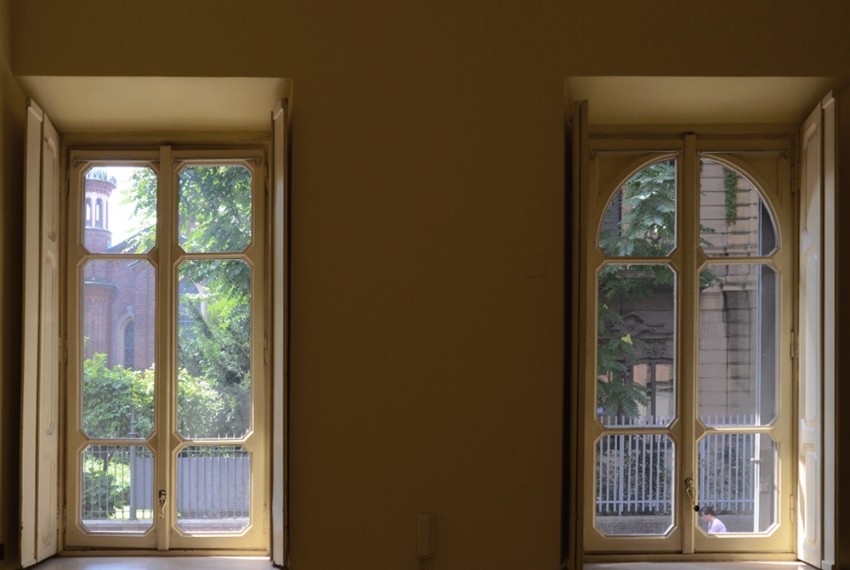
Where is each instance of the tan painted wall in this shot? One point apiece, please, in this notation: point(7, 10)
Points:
point(12, 116)
point(427, 230)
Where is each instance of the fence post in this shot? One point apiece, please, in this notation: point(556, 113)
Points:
point(133, 435)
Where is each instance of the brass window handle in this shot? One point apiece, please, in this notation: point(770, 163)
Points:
point(690, 489)
point(163, 498)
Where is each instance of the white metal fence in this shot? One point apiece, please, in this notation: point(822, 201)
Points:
point(634, 472)
point(213, 482)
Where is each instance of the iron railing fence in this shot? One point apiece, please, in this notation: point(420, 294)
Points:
point(213, 482)
point(634, 472)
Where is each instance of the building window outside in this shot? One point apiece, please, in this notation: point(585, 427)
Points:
point(128, 337)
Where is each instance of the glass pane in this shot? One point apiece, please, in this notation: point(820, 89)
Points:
point(737, 483)
point(734, 219)
point(737, 347)
point(641, 218)
point(214, 349)
point(119, 209)
point(636, 346)
point(117, 488)
point(213, 489)
point(215, 209)
point(118, 348)
point(634, 484)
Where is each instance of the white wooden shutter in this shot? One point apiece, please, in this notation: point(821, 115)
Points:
point(280, 330)
point(41, 341)
point(828, 498)
point(816, 190)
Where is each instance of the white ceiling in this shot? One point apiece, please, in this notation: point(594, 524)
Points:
point(164, 104)
point(698, 100)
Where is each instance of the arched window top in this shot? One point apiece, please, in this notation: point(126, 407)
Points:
point(735, 220)
point(640, 220)
point(128, 343)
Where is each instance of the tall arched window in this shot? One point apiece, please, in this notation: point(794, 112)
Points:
point(88, 213)
point(98, 213)
point(686, 389)
point(128, 343)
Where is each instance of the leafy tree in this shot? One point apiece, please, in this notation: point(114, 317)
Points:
point(112, 397)
point(643, 223)
point(215, 208)
point(215, 215)
point(640, 222)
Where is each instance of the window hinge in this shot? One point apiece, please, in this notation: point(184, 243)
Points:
point(63, 350)
point(266, 349)
point(793, 508)
point(795, 347)
point(795, 182)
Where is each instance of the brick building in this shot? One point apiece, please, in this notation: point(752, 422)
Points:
point(119, 292)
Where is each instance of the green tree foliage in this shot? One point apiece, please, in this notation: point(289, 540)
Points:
point(214, 345)
point(115, 397)
point(214, 333)
point(215, 208)
point(640, 222)
point(112, 397)
point(118, 403)
point(730, 187)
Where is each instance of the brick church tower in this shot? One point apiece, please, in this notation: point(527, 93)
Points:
point(118, 293)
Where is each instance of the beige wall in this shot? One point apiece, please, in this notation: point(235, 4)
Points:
point(427, 230)
point(12, 115)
